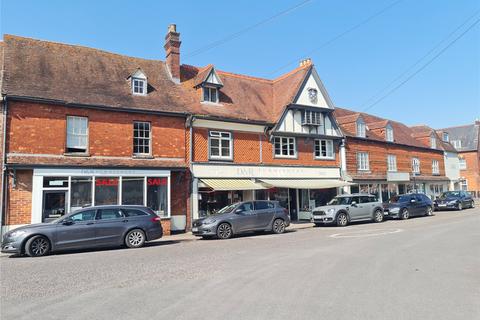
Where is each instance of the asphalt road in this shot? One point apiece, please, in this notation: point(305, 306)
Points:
point(423, 268)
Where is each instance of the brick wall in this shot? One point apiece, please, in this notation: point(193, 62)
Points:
point(472, 173)
point(19, 204)
point(378, 152)
point(246, 150)
point(41, 129)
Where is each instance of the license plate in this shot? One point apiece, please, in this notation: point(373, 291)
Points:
point(442, 205)
point(194, 229)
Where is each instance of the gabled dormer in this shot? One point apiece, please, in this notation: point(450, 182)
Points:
point(208, 81)
point(389, 136)
point(361, 127)
point(138, 82)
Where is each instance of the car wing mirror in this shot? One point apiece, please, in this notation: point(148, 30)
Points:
point(67, 222)
point(354, 203)
point(238, 211)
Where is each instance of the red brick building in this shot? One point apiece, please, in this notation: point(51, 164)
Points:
point(386, 157)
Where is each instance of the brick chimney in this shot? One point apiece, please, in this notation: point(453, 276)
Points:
point(172, 51)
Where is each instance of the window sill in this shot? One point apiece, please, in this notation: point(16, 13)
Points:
point(364, 170)
point(221, 159)
point(324, 158)
point(218, 104)
point(285, 157)
point(139, 156)
point(76, 154)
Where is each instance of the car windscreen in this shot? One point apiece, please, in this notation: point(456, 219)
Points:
point(450, 194)
point(340, 201)
point(226, 209)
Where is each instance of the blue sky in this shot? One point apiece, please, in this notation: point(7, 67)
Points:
point(354, 67)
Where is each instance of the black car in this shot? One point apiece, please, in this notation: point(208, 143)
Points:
point(457, 200)
point(409, 205)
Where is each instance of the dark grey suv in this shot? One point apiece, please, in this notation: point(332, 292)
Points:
point(91, 227)
point(243, 217)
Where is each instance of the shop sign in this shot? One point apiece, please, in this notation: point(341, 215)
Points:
point(157, 181)
point(106, 182)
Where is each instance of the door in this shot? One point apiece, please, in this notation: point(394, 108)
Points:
point(265, 210)
point(110, 225)
point(356, 209)
point(293, 204)
point(54, 204)
point(76, 231)
point(245, 218)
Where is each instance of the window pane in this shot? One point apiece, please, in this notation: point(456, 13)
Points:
point(81, 192)
point(106, 190)
point(132, 190)
point(157, 195)
point(133, 212)
point(77, 135)
point(108, 214)
point(214, 142)
point(225, 152)
point(55, 182)
point(214, 151)
point(206, 94)
point(213, 94)
point(84, 216)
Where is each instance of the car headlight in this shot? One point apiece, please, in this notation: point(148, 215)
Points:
point(209, 221)
point(331, 211)
point(18, 233)
point(394, 210)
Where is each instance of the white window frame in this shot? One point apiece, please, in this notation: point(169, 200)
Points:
point(389, 133)
point(457, 144)
point(392, 163)
point(464, 185)
point(415, 165)
point(363, 163)
point(462, 163)
point(74, 132)
point(435, 167)
point(138, 138)
point(313, 118)
point(209, 89)
point(433, 142)
point(361, 128)
point(220, 136)
point(139, 86)
point(445, 137)
point(285, 141)
point(329, 149)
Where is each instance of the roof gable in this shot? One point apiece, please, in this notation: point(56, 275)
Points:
point(312, 93)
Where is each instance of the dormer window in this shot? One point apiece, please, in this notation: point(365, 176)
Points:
point(210, 94)
point(361, 128)
point(433, 142)
point(139, 86)
point(389, 133)
point(445, 137)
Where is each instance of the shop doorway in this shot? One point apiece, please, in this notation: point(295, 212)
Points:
point(54, 204)
point(292, 194)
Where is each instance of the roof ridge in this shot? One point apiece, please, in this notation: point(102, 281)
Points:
point(283, 76)
point(245, 76)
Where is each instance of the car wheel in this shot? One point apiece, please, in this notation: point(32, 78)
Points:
point(135, 238)
point(37, 246)
point(429, 211)
point(472, 204)
point(404, 215)
point(378, 216)
point(317, 225)
point(342, 219)
point(278, 226)
point(459, 206)
point(224, 231)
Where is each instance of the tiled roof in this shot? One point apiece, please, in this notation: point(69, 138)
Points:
point(425, 132)
point(469, 135)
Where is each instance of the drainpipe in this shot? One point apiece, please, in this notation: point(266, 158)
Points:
point(3, 195)
point(193, 188)
point(343, 165)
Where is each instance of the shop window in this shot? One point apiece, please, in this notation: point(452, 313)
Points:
point(55, 182)
point(54, 204)
point(324, 149)
point(285, 147)
point(80, 192)
point(132, 190)
point(157, 196)
point(304, 202)
point(220, 145)
point(362, 161)
point(106, 190)
point(354, 189)
point(141, 138)
point(261, 194)
point(77, 134)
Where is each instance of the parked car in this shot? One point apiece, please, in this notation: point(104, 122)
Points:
point(409, 205)
point(90, 227)
point(243, 217)
point(454, 200)
point(344, 209)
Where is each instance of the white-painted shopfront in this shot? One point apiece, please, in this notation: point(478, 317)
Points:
point(299, 189)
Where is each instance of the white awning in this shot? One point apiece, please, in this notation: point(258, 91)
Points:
point(232, 184)
point(306, 183)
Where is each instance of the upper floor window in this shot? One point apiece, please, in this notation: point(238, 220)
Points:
point(324, 149)
point(139, 86)
point(462, 163)
point(445, 136)
point(77, 134)
point(220, 145)
point(312, 118)
point(210, 94)
point(435, 167)
point(457, 144)
point(389, 133)
point(285, 147)
point(392, 163)
point(415, 165)
point(141, 138)
point(464, 185)
point(433, 142)
point(361, 128)
point(362, 161)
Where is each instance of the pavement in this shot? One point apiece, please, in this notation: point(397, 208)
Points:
point(422, 268)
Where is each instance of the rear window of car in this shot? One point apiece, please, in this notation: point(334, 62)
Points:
point(263, 205)
point(107, 214)
point(134, 212)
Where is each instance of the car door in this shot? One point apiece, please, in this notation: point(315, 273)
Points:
point(245, 218)
point(419, 206)
point(465, 199)
point(76, 231)
point(110, 225)
point(365, 207)
point(265, 210)
point(355, 209)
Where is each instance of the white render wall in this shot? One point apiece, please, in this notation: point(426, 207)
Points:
point(452, 166)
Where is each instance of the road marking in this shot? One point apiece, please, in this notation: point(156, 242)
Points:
point(365, 233)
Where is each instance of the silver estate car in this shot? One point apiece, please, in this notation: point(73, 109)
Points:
point(90, 227)
point(243, 217)
point(344, 209)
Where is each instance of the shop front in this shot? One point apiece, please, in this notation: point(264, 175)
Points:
point(298, 189)
point(56, 191)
